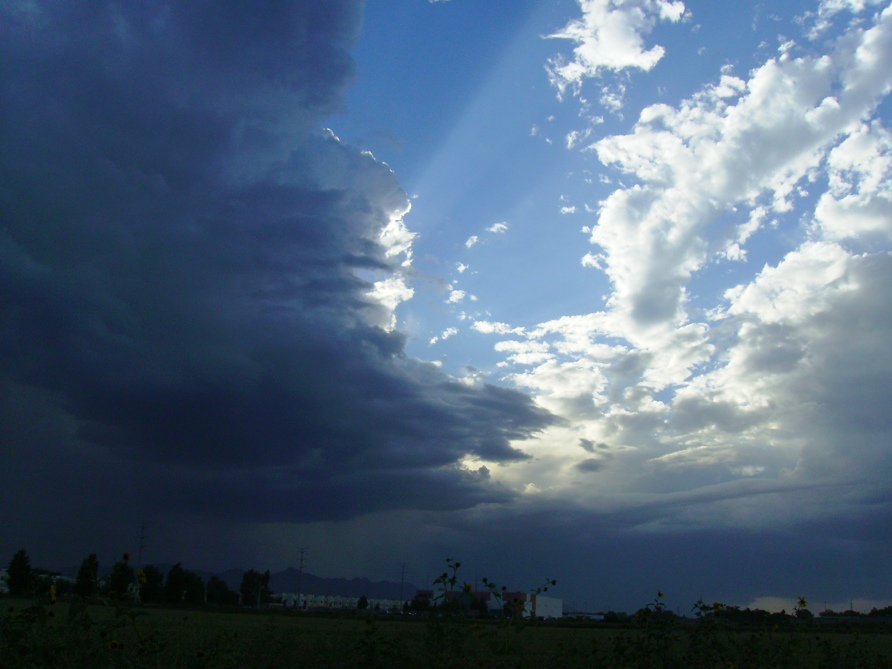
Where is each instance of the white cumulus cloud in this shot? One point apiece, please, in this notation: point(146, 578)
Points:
point(610, 36)
point(456, 296)
point(390, 292)
point(772, 387)
point(859, 200)
point(488, 327)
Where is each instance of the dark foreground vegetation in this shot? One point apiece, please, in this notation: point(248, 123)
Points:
point(97, 625)
point(102, 634)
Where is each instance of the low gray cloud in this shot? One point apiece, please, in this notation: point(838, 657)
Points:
point(620, 559)
point(587, 445)
point(185, 267)
point(590, 465)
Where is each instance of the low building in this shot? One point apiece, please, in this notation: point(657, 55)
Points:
point(517, 604)
point(548, 607)
point(334, 602)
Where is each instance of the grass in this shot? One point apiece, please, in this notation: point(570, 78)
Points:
point(96, 636)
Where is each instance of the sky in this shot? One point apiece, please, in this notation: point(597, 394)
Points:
point(592, 290)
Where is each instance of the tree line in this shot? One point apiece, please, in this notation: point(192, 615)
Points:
point(148, 584)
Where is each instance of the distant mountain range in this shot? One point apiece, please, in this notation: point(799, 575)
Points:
point(287, 581)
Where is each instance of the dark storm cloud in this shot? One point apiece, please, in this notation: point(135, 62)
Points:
point(185, 263)
point(347, 494)
point(620, 559)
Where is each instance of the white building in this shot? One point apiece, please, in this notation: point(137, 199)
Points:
point(547, 607)
point(539, 606)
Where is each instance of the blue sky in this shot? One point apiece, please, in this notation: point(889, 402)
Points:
point(598, 285)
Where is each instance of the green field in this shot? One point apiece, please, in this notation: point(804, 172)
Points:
point(95, 636)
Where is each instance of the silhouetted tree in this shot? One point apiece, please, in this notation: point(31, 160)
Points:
point(421, 602)
point(218, 593)
point(255, 588)
point(193, 591)
point(363, 603)
point(87, 583)
point(18, 578)
point(152, 590)
point(175, 584)
point(122, 577)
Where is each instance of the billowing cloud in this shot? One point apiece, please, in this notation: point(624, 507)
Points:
point(204, 296)
point(827, 9)
point(199, 282)
point(731, 143)
point(859, 199)
point(610, 36)
point(774, 389)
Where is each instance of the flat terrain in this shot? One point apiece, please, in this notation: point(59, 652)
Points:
point(76, 635)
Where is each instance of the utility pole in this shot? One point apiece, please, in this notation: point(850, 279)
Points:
point(142, 542)
point(300, 573)
point(402, 580)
